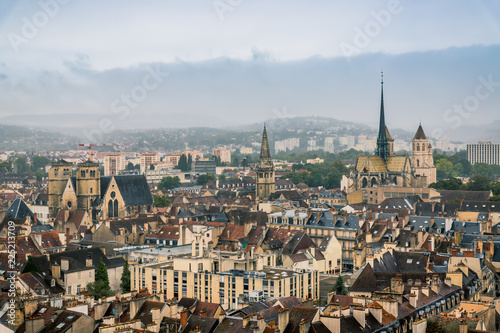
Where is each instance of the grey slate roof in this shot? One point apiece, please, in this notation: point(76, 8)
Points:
point(134, 189)
point(19, 210)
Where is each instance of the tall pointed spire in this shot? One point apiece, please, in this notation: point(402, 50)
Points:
point(383, 149)
point(265, 154)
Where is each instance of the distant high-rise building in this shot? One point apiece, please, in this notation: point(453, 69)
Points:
point(287, 144)
point(483, 152)
point(113, 164)
point(265, 184)
point(223, 153)
point(147, 159)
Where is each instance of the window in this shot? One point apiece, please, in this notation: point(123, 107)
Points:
point(82, 173)
point(91, 190)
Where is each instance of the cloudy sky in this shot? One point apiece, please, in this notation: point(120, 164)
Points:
point(178, 63)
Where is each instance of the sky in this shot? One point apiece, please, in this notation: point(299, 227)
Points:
point(222, 63)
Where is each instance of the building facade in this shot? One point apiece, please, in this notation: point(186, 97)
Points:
point(113, 164)
point(483, 152)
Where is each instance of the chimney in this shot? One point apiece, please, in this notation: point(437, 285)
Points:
point(88, 261)
point(35, 218)
point(109, 320)
point(462, 328)
point(283, 315)
point(418, 282)
point(34, 324)
point(67, 236)
point(222, 316)
point(368, 237)
point(304, 326)
point(64, 264)
point(413, 300)
point(184, 318)
point(246, 319)
point(425, 290)
point(38, 239)
point(376, 311)
point(447, 281)
point(203, 313)
point(431, 266)
point(56, 271)
point(360, 316)
point(155, 312)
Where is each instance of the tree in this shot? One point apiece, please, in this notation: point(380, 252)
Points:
point(495, 188)
point(151, 167)
point(130, 166)
point(125, 285)
point(478, 183)
point(39, 162)
point(161, 201)
point(5, 167)
point(482, 169)
point(222, 177)
point(21, 165)
point(339, 286)
point(203, 179)
point(447, 184)
point(444, 168)
point(189, 162)
point(100, 287)
point(183, 163)
point(168, 183)
point(40, 173)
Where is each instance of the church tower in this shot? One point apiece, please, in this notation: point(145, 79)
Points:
point(59, 174)
point(422, 161)
point(265, 184)
point(385, 143)
point(88, 185)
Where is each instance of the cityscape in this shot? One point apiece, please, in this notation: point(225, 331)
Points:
point(256, 167)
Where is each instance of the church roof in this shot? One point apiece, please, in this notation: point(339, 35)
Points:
point(134, 189)
point(396, 163)
point(377, 164)
point(388, 135)
point(420, 135)
point(370, 164)
point(265, 154)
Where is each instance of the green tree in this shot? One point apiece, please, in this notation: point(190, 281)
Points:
point(203, 179)
point(5, 167)
point(168, 183)
point(447, 184)
point(39, 162)
point(189, 162)
point(482, 169)
point(151, 167)
point(222, 177)
point(495, 187)
point(161, 201)
point(183, 163)
point(40, 173)
point(444, 168)
point(339, 286)
point(125, 285)
point(100, 287)
point(21, 165)
point(130, 166)
point(479, 183)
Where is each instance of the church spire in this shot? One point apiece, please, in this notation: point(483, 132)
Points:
point(265, 154)
point(383, 149)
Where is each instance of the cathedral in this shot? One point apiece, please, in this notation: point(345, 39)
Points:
point(102, 197)
point(265, 183)
point(389, 169)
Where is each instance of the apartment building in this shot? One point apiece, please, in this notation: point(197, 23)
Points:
point(114, 163)
point(483, 152)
